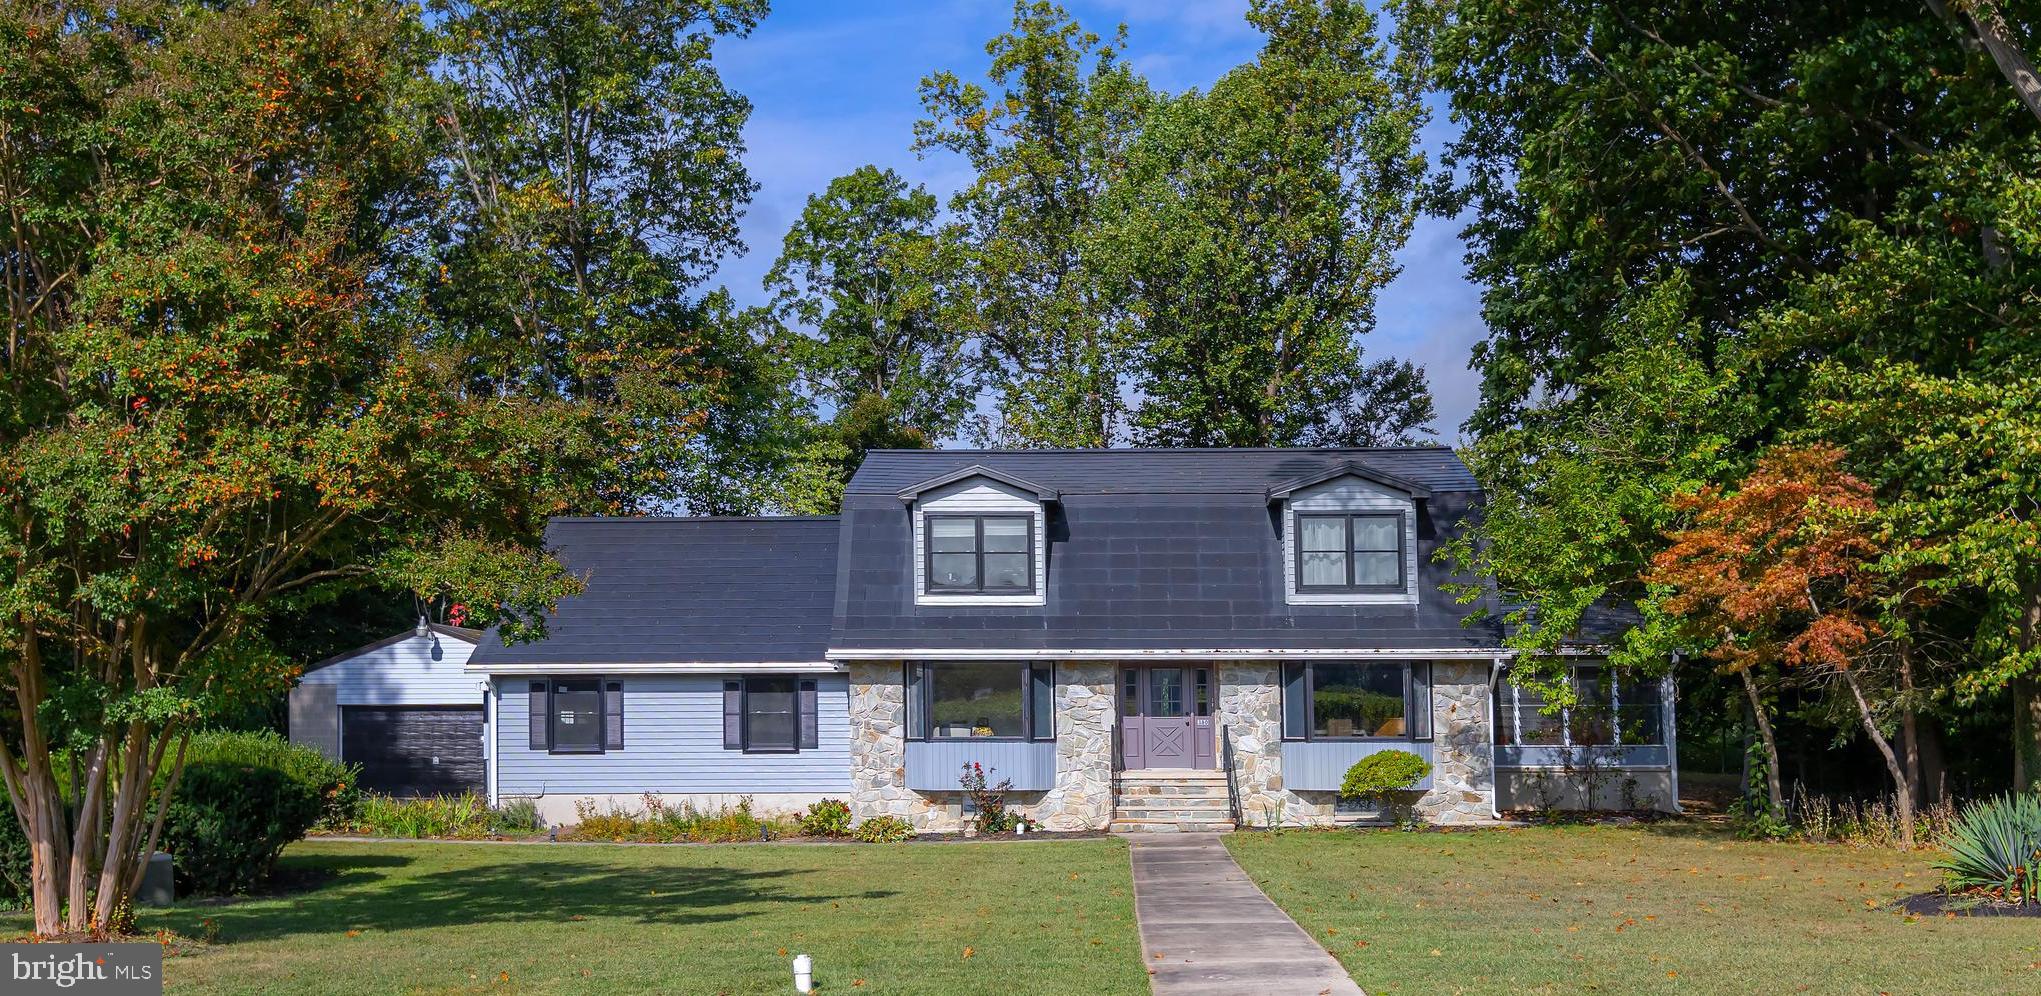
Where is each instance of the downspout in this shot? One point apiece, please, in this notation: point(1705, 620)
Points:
point(489, 738)
point(1488, 711)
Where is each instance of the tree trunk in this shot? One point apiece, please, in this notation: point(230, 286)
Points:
point(1981, 18)
point(1757, 710)
point(1904, 795)
point(1909, 722)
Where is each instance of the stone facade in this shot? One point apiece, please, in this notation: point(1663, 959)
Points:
point(1081, 798)
point(1251, 712)
point(1250, 708)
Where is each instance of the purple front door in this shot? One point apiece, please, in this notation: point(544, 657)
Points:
point(1166, 717)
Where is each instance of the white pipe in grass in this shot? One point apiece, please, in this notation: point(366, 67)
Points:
point(804, 974)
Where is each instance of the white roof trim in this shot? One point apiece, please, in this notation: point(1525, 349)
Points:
point(689, 667)
point(934, 653)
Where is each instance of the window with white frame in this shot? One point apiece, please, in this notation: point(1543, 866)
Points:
point(1609, 710)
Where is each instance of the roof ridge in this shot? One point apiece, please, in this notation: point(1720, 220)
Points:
point(1070, 450)
point(695, 518)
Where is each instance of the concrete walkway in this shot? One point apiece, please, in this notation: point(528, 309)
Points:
point(1205, 928)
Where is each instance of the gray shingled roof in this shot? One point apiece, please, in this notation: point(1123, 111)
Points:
point(687, 590)
point(1178, 471)
point(1150, 549)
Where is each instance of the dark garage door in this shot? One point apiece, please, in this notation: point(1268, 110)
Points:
point(414, 750)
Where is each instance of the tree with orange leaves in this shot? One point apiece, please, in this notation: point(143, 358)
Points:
point(1782, 572)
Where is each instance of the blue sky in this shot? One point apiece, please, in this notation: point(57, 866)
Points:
point(833, 86)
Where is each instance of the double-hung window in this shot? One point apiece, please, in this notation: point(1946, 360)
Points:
point(1350, 552)
point(988, 554)
point(576, 715)
point(1357, 700)
point(770, 714)
point(981, 700)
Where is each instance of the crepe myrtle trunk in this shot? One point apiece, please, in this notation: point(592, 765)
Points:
point(86, 861)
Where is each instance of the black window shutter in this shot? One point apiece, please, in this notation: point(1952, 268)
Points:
point(733, 715)
point(539, 740)
point(809, 737)
point(613, 715)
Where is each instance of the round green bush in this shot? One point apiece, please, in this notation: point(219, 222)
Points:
point(242, 799)
point(1378, 775)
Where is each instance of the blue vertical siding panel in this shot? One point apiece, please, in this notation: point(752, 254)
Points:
point(673, 743)
point(1321, 765)
point(935, 765)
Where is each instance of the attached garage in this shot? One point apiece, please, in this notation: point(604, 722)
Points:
point(414, 750)
point(403, 708)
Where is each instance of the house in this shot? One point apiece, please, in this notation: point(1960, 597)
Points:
point(1144, 639)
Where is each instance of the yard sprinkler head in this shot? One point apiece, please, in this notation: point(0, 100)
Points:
point(804, 974)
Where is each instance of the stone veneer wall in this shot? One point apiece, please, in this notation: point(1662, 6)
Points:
point(1080, 800)
point(1463, 777)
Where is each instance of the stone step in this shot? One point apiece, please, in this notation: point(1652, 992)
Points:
point(1170, 826)
point(1171, 792)
point(1175, 801)
point(1171, 775)
point(1171, 816)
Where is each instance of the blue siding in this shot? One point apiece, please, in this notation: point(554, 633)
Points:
point(421, 670)
point(1556, 757)
point(673, 743)
point(934, 765)
point(1320, 765)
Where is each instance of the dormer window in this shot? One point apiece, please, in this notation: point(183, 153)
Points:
point(980, 554)
point(1358, 552)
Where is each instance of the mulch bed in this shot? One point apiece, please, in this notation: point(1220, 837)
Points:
point(1938, 904)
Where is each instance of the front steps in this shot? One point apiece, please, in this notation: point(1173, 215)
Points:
point(1172, 800)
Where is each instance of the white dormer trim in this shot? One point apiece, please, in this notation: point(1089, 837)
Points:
point(1349, 494)
point(979, 495)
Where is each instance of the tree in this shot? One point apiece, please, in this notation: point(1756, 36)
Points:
point(203, 421)
point(1254, 226)
point(863, 269)
point(1782, 572)
point(1840, 190)
point(589, 177)
point(1043, 150)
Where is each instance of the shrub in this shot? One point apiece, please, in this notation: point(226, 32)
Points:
point(827, 818)
point(228, 823)
point(883, 830)
point(1384, 777)
point(1995, 847)
point(338, 784)
point(515, 817)
point(242, 798)
point(988, 800)
point(663, 824)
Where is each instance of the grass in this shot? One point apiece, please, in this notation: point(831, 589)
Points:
point(480, 918)
point(1670, 908)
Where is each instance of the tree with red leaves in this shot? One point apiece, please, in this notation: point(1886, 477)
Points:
point(1782, 573)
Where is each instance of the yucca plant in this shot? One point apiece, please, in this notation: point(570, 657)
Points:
point(1995, 844)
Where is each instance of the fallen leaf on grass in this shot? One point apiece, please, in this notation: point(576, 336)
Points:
point(968, 952)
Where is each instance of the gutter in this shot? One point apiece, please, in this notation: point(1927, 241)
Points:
point(1173, 653)
point(697, 667)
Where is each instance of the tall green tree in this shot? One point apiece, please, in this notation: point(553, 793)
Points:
point(205, 420)
point(862, 271)
point(589, 180)
point(1255, 225)
point(1044, 139)
point(1839, 194)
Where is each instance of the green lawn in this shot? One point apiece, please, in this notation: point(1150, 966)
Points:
point(453, 918)
point(1673, 908)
